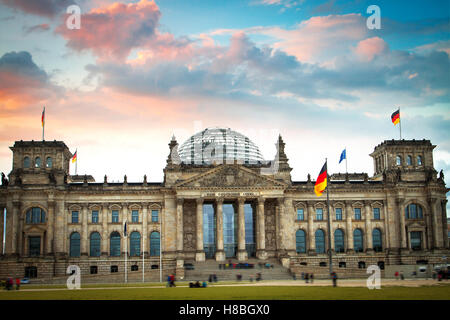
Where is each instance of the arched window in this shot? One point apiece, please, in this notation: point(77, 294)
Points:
point(339, 240)
point(35, 215)
point(75, 244)
point(419, 160)
point(413, 211)
point(320, 241)
point(37, 162)
point(114, 244)
point(135, 244)
point(358, 240)
point(398, 160)
point(154, 243)
point(376, 240)
point(26, 162)
point(409, 160)
point(95, 244)
point(300, 241)
point(49, 162)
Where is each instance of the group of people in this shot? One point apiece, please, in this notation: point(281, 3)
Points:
point(307, 277)
point(9, 284)
point(197, 284)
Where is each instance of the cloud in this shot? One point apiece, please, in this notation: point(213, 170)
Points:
point(46, 8)
point(37, 28)
point(111, 32)
point(367, 49)
point(22, 81)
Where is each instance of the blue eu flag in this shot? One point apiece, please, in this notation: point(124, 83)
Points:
point(343, 156)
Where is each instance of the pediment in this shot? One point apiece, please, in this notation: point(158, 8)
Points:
point(231, 176)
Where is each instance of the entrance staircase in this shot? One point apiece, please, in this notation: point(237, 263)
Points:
point(202, 270)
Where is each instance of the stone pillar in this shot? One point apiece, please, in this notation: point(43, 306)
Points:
point(105, 233)
point(180, 231)
point(84, 230)
point(242, 253)
point(200, 253)
point(401, 209)
point(20, 235)
point(444, 222)
point(436, 213)
point(2, 227)
point(50, 227)
point(349, 231)
point(368, 221)
point(310, 236)
point(220, 253)
point(145, 243)
point(261, 231)
point(58, 230)
point(15, 227)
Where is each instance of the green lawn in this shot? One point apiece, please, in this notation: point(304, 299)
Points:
point(440, 292)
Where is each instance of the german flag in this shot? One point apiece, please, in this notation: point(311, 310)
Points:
point(43, 117)
point(396, 117)
point(321, 182)
point(74, 158)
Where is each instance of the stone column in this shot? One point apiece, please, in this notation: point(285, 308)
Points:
point(242, 253)
point(436, 213)
point(15, 227)
point(444, 222)
point(261, 231)
point(60, 214)
point(220, 253)
point(84, 230)
point(20, 236)
point(368, 223)
point(50, 227)
point(2, 227)
point(349, 231)
point(401, 209)
point(105, 234)
point(180, 231)
point(331, 225)
point(310, 236)
point(200, 253)
point(145, 243)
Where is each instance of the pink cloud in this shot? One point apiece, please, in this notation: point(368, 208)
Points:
point(367, 49)
point(111, 32)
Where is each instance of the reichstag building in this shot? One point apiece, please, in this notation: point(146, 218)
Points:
point(220, 200)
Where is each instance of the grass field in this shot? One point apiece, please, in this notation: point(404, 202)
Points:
point(436, 292)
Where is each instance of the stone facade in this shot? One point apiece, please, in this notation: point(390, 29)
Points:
point(173, 210)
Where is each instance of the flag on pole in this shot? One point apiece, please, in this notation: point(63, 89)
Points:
point(321, 182)
point(74, 158)
point(43, 117)
point(343, 155)
point(395, 117)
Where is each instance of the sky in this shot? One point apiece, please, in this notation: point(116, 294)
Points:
point(137, 72)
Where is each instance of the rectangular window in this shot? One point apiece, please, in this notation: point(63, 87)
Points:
point(115, 216)
point(94, 216)
point(114, 269)
point(319, 214)
point(135, 216)
point(30, 272)
point(34, 246)
point(94, 269)
point(154, 215)
point(357, 213)
point(74, 216)
point(338, 213)
point(300, 215)
point(376, 213)
point(416, 240)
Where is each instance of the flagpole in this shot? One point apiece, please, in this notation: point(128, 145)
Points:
point(346, 171)
point(160, 244)
point(143, 253)
point(76, 162)
point(43, 124)
point(329, 218)
point(126, 251)
point(400, 122)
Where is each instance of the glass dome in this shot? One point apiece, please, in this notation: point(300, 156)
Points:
point(221, 146)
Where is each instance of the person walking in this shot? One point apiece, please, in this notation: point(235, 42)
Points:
point(312, 277)
point(334, 278)
point(306, 277)
point(17, 283)
point(402, 277)
point(396, 275)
